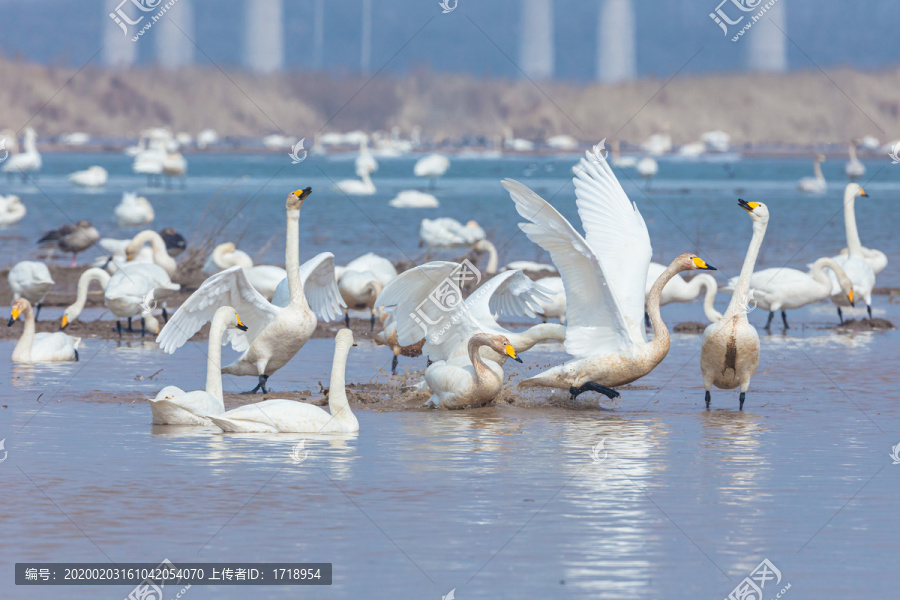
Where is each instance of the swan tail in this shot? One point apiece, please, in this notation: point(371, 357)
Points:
point(166, 412)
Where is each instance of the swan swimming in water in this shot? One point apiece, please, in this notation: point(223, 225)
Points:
point(40, 347)
point(853, 263)
point(11, 210)
point(174, 406)
point(817, 183)
point(468, 381)
point(289, 416)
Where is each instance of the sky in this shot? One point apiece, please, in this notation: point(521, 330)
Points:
point(480, 37)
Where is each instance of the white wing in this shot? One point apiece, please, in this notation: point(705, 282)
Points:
point(320, 287)
point(426, 303)
point(617, 235)
point(510, 293)
point(228, 288)
point(595, 323)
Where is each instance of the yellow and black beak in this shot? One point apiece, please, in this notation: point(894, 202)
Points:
point(511, 352)
point(863, 193)
point(850, 297)
point(702, 264)
point(748, 206)
point(355, 344)
point(13, 317)
point(239, 325)
point(129, 256)
point(64, 323)
point(301, 194)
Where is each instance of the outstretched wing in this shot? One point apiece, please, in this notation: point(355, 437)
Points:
point(510, 293)
point(594, 321)
point(227, 288)
point(617, 235)
point(320, 287)
point(426, 302)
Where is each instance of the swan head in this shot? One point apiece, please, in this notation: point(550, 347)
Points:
point(238, 324)
point(175, 242)
point(854, 190)
point(500, 344)
point(295, 199)
point(344, 338)
point(692, 262)
point(758, 211)
point(20, 306)
point(820, 158)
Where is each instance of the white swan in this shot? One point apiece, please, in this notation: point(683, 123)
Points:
point(174, 406)
point(276, 333)
point(30, 280)
point(468, 381)
point(716, 141)
point(449, 232)
point(729, 353)
point(161, 255)
point(133, 211)
point(362, 280)
point(854, 169)
point(679, 290)
point(289, 416)
point(174, 166)
point(817, 183)
point(149, 161)
point(414, 199)
point(358, 187)
point(431, 167)
point(40, 347)
point(365, 161)
point(555, 307)
point(73, 238)
point(647, 168)
point(388, 337)
point(785, 289)
point(854, 262)
point(603, 275)
point(27, 161)
point(226, 255)
point(95, 176)
point(11, 210)
point(877, 259)
point(658, 143)
point(448, 323)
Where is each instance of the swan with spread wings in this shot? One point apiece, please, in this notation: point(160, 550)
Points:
point(275, 333)
point(604, 274)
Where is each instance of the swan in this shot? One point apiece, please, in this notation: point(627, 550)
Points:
point(130, 292)
point(555, 307)
point(264, 278)
point(516, 144)
point(817, 183)
point(40, 347)
point(206, 138)
point(469, 380)
point(449, 232)
point(276, 333)
point(149, 162)
point(679, 290)
point(27, 161)
point(11, 210)
point(854, 169)
point(563, 142)
point(658, 144)
point(716, 141)
point(603, 276)
point(414, 199)
point(877, 259)
point(157, 245)
point(526, 266)
point(623, 162)
point(91, 177)
point(729, 353)
point(174, 165)
point(692, 150)
point(133, 211)
point(357, 187)
point(317, 277)
point(116, 256)
point(785, 289)
point(73, 238)
point(30, 280)
point(647, 168)
point(426, 301)
point(362, 280)
point(431, 167)
point(854, 262)
point(388, 337)
point(174, 406)
point(365, 161)
point(289, 416)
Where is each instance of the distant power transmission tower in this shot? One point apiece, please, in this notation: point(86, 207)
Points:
point(536, 52)
point(616, 42)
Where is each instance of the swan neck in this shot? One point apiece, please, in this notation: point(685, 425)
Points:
point(821, 277)
point(740, 295)
point(817, 169)
point(543, 331)
point(853, 157)
point(492, 257)
point(292, 257)
point(214, 356)
point(475, 343)
point(84, 284)
point(661, 340)
point(158, 245)
point(854, 246)
point(708, 284)
point(22, 351)
point(337, 392)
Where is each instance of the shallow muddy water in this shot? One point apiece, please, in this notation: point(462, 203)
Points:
point(500, 502)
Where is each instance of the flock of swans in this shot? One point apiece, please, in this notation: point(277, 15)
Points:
point(601, 286)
